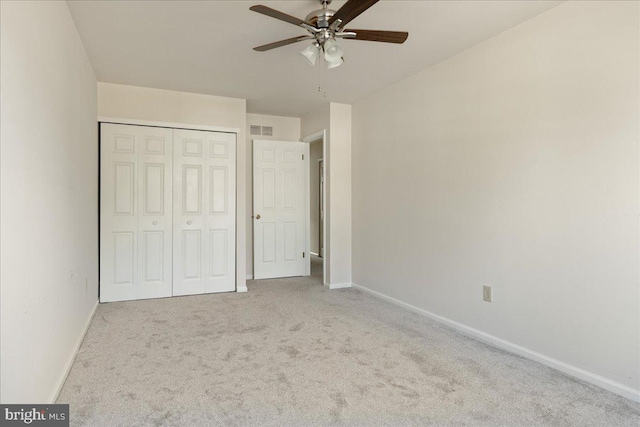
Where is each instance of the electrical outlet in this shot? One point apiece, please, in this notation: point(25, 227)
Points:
point(486, 293)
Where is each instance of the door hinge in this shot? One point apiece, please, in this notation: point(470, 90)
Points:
point(302, 254)
point(303, 157)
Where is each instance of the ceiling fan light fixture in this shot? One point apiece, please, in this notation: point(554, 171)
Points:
point(335, 64)
point(311, 53)
point(333, 52)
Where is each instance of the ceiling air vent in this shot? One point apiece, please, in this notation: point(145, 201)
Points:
point(256, 130)
point(267, 131)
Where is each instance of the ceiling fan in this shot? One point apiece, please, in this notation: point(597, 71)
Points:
point(325, 26)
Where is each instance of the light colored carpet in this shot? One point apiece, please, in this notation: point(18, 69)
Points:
point(289, 352)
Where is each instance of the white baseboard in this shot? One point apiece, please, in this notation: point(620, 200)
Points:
point(72, 357)
point(249, 276)
point(242, 289)
point(338, 285)
point(600, 381)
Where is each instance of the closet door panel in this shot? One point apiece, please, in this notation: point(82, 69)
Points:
point(135, 212)
point(204, 212)
point(154, 220)
point(221, 212)
point(118, 213)
point(189, 249)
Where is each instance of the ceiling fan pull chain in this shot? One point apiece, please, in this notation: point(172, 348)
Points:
point(322, 87)
point(320, 74)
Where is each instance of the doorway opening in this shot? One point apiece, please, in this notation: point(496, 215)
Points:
point(317, 204)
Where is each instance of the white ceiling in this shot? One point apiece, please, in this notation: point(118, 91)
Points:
point(206, 46)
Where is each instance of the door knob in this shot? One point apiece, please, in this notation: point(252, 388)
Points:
point(188, 222)
point(258, 216)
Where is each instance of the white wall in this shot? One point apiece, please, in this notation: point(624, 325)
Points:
point(336, 120)
point(143, 103)
point(316, 121)
point(132, 102)
point(339, 187)
point(515, 165)
point(284, 129)
point(49, 198)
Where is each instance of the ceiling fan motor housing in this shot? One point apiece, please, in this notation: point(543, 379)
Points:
point(320, 18)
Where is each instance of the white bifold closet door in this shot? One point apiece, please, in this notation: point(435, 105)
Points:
point(204, 211)
point(135, 212)
point(167, 212)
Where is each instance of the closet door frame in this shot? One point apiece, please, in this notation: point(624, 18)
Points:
point(240, 276)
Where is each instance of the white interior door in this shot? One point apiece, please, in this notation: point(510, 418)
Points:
point(135, 212)
point(204, 212)
point(279, 211)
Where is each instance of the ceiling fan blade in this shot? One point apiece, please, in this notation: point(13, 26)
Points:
point(350, 10)
point(281, 43)
point(279, 15)
point(378, 36)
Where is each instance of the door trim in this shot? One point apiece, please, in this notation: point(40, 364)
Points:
point(322, 210)
point(136, 122)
